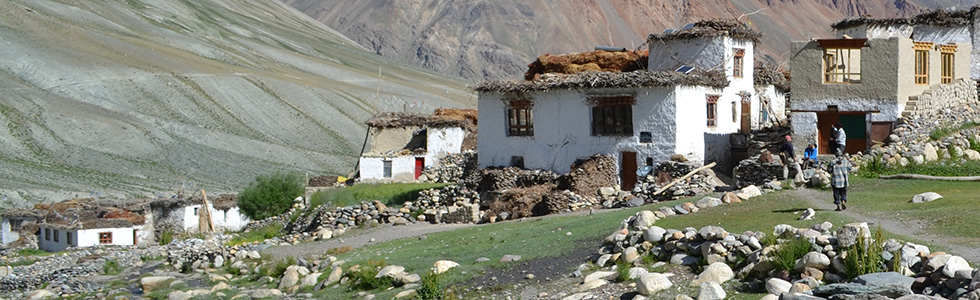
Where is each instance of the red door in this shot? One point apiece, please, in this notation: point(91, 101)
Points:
point(419, 166)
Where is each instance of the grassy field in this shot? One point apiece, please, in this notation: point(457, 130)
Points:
point(560, 235)
point(392, 194)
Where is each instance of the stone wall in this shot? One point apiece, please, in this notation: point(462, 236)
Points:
point(941, 96)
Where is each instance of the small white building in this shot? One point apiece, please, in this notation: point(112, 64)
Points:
point(697, 90)
point(404, 144)
point(184, 215)
point(57, 237)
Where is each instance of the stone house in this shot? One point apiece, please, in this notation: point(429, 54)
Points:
point(871, 75)
point(184, 215)
point(404, 144)
point(696, 90)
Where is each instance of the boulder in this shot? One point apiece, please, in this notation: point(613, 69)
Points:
point(310, 280)
point(814, 260)
point(716, 272)
point(730, 197)
point(684, 259)
point(290, 278)
point(266, 293)
point(599, 275)
point(406, 294)
point(929, 152)
point(712, 233)
point(749, 192)
point(644, 219)
point(777, 286)
point(41, 294)
point(848, 234)
point(151, 283)
point(442, 266)
point(630, 255)
point(652, 283)
point(926, 197)
point(971, 154)
point(891, 291)
point(711, 291)
point(885, 278)
point(591, 284)
point(654, 234)
point(707, 202)
point(954, 264)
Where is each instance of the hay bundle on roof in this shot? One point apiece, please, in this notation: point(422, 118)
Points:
point(599, 60)
point(400, 119)
point(712, 28)
point(593, 79)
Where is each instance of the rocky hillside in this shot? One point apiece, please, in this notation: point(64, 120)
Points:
point(139, 97)
point(485, 39)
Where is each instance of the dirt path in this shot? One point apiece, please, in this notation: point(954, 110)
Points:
point(823, 201)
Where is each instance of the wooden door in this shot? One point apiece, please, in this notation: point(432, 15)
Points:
point(419, 166)
point(825, 122)
point(627, 170)
point(746, 117)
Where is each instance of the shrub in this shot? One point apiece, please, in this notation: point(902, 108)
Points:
point(166, 237)
point(872, 168)
point(340, 250)
point(317, 199)
point(280, 267)
point(864, 257)
point(111, 267)
point(430, 288)
point(363, 278)
point(785, 256)
point(270, 195)
point(259, 234)
point(622, 271)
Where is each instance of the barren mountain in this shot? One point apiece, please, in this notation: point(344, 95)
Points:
point(141, 97)
point(484, 39)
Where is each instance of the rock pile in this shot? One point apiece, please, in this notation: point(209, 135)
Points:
point(700, 183)
point(499, 179)
point(452, 168)
point(760, 170)
point(63, 274)
point(450, 204)
point(910, 142)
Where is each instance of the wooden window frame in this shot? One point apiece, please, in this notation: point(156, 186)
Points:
point(921, 67)
point(57, 236)
point(834, 58)
point(387, 169)
point(612, 115)
point(105, 238)
point(520, 119)
point(948, 60)
point(738, 62)
point(712, 110)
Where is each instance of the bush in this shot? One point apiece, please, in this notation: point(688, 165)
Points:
point(270, 195)
point(259, 234)
point(430, 288)
point(166, 237)
point(111, 267)
point(784, 258)
point(872, 168)
point(864, 257)
point(363, 278)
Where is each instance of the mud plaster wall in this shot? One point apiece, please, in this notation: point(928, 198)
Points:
point(7, 234)
point(927, 33)
point(879, 68)
point(441, 142)
point(390, 139)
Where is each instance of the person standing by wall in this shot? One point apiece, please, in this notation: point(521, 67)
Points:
point(840, 138)
point(839, 170)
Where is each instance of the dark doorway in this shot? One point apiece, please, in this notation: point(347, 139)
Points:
point(627, 170)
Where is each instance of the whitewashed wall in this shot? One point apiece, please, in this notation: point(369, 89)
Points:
point(85, 237)
point(702, 53)
point(441, 142)
point(7, 234)
point(676, 117)
point(777, 102)
point(402, 168)
point(877, 31)
point(230, 220)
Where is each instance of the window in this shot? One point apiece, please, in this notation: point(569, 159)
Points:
point(842, 65)
point(57, 235)
point(712, 101)
point(947, 53)
point(612, 115)
point(196, 210)
point(520, 122)
point(517, 161)
point(646, 137)
point(105, 238)
point(387, 169)
point(737, 61)
point(47, 234)
point(921, 65)
point(68, 238)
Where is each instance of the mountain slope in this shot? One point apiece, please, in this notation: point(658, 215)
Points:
point(138, 97)
point(484, 39)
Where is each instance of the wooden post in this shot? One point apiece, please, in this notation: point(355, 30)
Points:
point(205, 224)
point(689, 174)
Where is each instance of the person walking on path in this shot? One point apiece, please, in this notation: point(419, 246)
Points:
point(840, 138)
point(839, 170)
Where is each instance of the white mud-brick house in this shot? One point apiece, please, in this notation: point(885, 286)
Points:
point(62, 235)
point(185, 215)
point(771, 89)
point(688, 100)
point(404, 144)
point(872, 76)
point(17, 224)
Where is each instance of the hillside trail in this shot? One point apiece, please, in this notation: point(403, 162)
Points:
point(823, 202)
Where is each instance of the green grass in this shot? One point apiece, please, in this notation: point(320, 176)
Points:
point(941, 132)
point(256, 235)
point(392, 194)
point(940, 168)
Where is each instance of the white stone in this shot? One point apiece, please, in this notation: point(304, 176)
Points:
point(953, 264)
point(289, 279)
point(716, 272)
point(652, 283)
point(644, 219)
point(971, 154)
point(151, 283)
point(310, 280)
point(406, 294)
point(630, 255)
point(266, 293)
point(848, 234)
point(654, 234)
point(41, 294)
point(442, 266)
point(929, 152)
point(591, 284)
point(777, 286)
point(599, 275)
point(390, 271)
point(749, 192)
point(926, 197)
point(814, 260)
point(220, 287)
point(711, 291)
